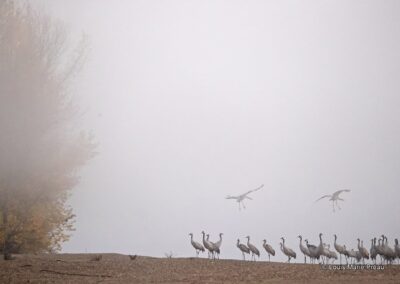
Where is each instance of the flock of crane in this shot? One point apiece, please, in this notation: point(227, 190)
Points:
point(320, 252)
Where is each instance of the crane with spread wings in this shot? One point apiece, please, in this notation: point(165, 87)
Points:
point(242, 197)
point(334, 198)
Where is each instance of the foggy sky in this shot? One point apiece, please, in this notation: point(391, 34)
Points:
point(193, 100)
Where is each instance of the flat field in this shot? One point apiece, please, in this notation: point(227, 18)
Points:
point(118, 268)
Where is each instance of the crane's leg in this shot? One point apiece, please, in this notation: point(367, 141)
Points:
point(269, 258)
point(305, 260)
point(333, 206)
point(244, 257)
point(337, 204)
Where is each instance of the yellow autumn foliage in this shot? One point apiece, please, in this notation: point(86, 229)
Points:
point(41, 144)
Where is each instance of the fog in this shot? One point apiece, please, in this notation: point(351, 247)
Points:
point(191, 101)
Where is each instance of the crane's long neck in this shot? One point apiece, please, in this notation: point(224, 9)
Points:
point(248, 241)
point(335, 239)
point(191, 238)
point(220, 237)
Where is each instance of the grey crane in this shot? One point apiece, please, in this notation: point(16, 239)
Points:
point(334, 197)
point(373, 252)
point(253, 249)
point(363, 251)
point(314, 255)
point(331, 254)
point(388, 253)
point(208, 246)
point(218, 244)
point(287, 251)
point(339, 248)
point(355, 255)
point(198, 247)
point(380, 250)
point(321, 246)
point(268, 249)
point(215, 247)
point(240, 198)
point(346, 254)
point(304, 249)
point(243, 248)
point(397, 248)
point(326, 253)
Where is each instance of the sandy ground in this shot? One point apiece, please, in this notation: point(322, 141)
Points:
point(117, 268)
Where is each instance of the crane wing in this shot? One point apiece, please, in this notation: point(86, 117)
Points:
point(231, 197)
point(323, 197)
point(250, 191)
point(336, 194)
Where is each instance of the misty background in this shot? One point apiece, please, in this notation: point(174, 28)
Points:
point(190, 101)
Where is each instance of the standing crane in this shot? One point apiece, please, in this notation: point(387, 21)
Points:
point(340, 249)
point(287, 251)
point(243, 248)
point(218, 244)
point(253, 249)
point(321, 246)
point(397, 248)
point(198, 247)
point(313, 251)
point(208, 246)
point(373, 252)
point(304, 249)
point(269, 250)
point(363, 251)
point(215, 247)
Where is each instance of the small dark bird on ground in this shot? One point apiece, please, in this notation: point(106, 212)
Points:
point(96, 257)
